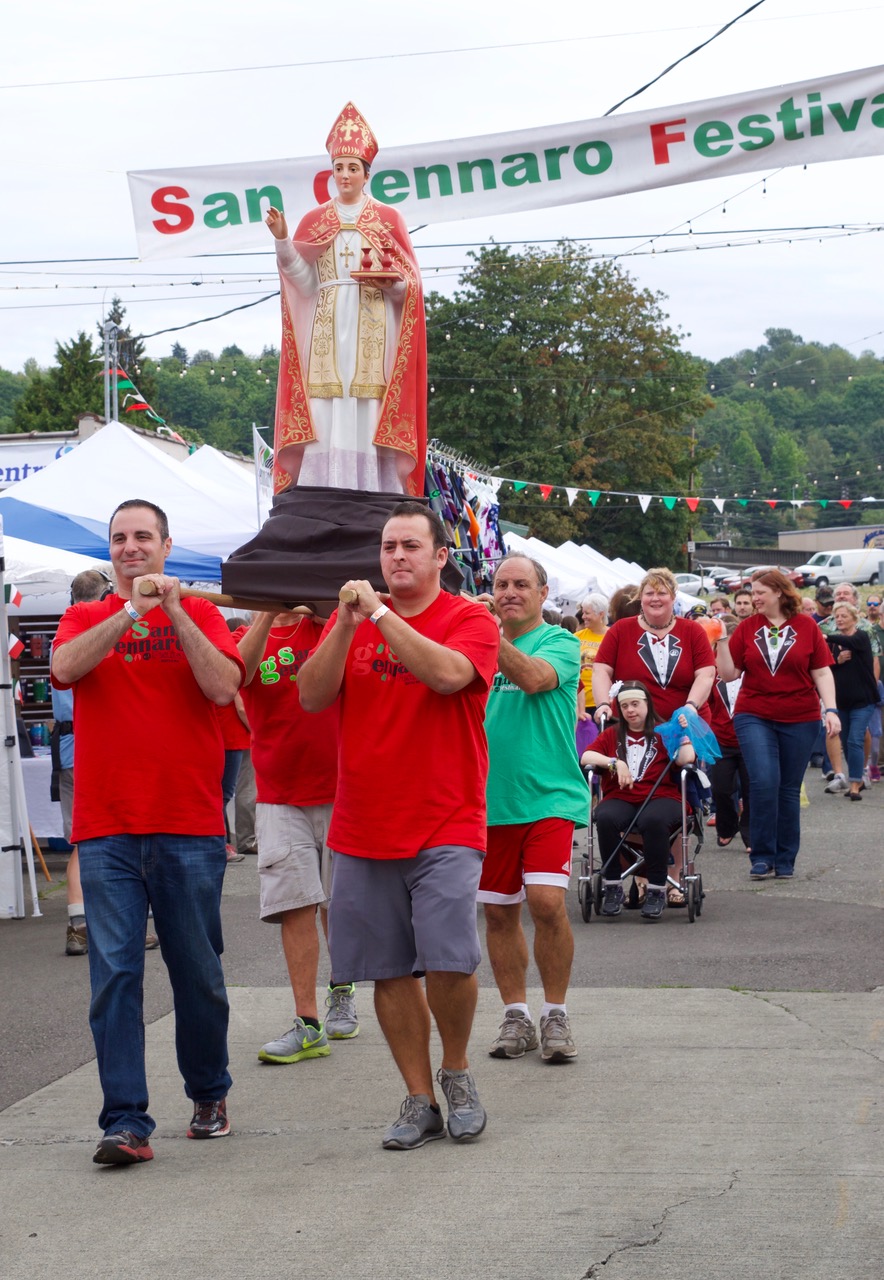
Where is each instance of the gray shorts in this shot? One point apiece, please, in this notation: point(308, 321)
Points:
point(391, 918)
point(66, 796)
point(294, 860)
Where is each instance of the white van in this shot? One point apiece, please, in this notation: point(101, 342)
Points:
point(853, 565)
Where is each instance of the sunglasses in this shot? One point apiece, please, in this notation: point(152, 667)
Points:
point(774, 636)
point(874, 604)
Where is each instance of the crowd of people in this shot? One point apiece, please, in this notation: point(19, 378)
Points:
point(505, 701)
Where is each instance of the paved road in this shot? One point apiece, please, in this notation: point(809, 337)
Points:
point(821, 932)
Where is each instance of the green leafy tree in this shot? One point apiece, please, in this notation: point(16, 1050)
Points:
point(552, 368)
point(133, 356)
point(12, 388)
point(55, 397)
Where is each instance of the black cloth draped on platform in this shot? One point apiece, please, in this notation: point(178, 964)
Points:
point(312, 542)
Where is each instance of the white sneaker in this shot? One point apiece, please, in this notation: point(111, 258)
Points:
point(838, 784)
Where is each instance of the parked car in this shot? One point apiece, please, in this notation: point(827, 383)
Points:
point(745, 576)
point(693, 584)
point(855, 565)
point(717, 571)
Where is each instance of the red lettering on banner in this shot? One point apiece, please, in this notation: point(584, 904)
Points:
point(660, 139)
point(320, 186)
point(164, 200)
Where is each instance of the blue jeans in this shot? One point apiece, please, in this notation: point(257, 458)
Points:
point(180, 878)
point(776, 757)
point(854, 722)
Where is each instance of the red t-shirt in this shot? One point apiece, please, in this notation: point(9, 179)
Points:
point(148, 754)
point(722, 701)
point(234, 734)
point(294, 755)
point(413, 763)
point(632, 652)
point(652, 760)
point(777, 684)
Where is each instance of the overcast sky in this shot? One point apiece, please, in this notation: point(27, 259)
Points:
point(216, 91)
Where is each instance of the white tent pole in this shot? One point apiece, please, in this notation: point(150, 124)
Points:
point(20, 827)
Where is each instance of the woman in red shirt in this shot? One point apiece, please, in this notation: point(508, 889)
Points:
point(784, 661)
point(636, 759)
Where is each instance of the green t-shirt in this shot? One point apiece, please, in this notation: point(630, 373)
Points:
point(534, 772)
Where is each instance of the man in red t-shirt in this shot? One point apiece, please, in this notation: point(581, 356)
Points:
point(295, 757)
point(147, 817)
point(411, 672)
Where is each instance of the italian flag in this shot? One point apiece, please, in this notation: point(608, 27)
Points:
point(12, 593)
point(16, 645)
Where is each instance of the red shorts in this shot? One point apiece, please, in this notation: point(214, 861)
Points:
point(525, 853)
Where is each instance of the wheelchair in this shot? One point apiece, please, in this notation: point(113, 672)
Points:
point(688, 835)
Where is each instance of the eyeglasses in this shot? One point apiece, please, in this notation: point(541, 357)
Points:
point(874, 604)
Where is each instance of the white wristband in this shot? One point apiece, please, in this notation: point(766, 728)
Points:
point(379, 612)
point(131, 610)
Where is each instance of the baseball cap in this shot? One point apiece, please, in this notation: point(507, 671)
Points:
point(825, 595)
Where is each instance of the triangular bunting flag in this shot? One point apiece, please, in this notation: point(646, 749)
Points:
point(519, 485)
point(743, 501)
point(669, 503)
point(644, 500)
point(718, 504)
point(594, 495)
point(845, 502)
point(572, 494)
point(546, 490)
point(16, 646)
point(771, 502)
point(824, 502)
point(692, 503)
point(796, 502)
point(12, 593)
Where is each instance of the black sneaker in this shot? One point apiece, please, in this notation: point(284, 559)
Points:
point(655, 901)
point(209, 1120)
point(612, 899)
point(122, 1148)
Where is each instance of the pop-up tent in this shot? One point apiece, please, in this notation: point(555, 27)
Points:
point(69, 503)
point(44, 574)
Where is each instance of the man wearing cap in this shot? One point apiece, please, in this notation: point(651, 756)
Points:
point(352, 396)
point(825, 601)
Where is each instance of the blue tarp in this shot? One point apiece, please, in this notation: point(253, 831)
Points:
point(89, 538)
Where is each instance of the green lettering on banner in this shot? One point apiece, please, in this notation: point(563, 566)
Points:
point(254, 196)
point(553, 167)
point(752, 127)
point(422, 176)
point(524, 170)
point(815, 111)
point(227, 214)
point(582, 162)
point(714, 138)
point(878, 116)
point(390, 186)
point(465, 174)
point(847, 120)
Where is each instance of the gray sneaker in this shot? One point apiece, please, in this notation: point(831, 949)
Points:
point(77, 942)
point(341, 1022)
point(516, 1037)
point(556, 1044)
point(466, 1115)
point(418, 1122)
point(299, 1043)
point(838, 784)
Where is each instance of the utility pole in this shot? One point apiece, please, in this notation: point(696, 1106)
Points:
point(111, 364)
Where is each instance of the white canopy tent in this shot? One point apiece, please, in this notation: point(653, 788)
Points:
point(44, 575)
point(87, 483)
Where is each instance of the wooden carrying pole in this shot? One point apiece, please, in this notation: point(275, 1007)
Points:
point(346, 595)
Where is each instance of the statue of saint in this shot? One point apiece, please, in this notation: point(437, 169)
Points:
point(351, 408)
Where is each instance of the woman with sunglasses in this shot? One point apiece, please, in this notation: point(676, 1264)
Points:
point(785, 664)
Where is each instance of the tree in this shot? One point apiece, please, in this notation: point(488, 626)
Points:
point(55, 397)
point(550, 367)
point(12, 388)
point(179, 353)
point(132, 354)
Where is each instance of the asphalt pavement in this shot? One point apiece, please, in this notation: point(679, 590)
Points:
point(723, 1118)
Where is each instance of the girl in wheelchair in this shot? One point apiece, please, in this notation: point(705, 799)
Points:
point(639, 784)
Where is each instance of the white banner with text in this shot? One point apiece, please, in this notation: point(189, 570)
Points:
point(220, 208)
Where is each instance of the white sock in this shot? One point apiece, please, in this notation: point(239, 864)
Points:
point(517, 1008)
point(547, 1008)
point(76, 909)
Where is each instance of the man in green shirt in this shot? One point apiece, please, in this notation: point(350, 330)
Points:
point(536, 796)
